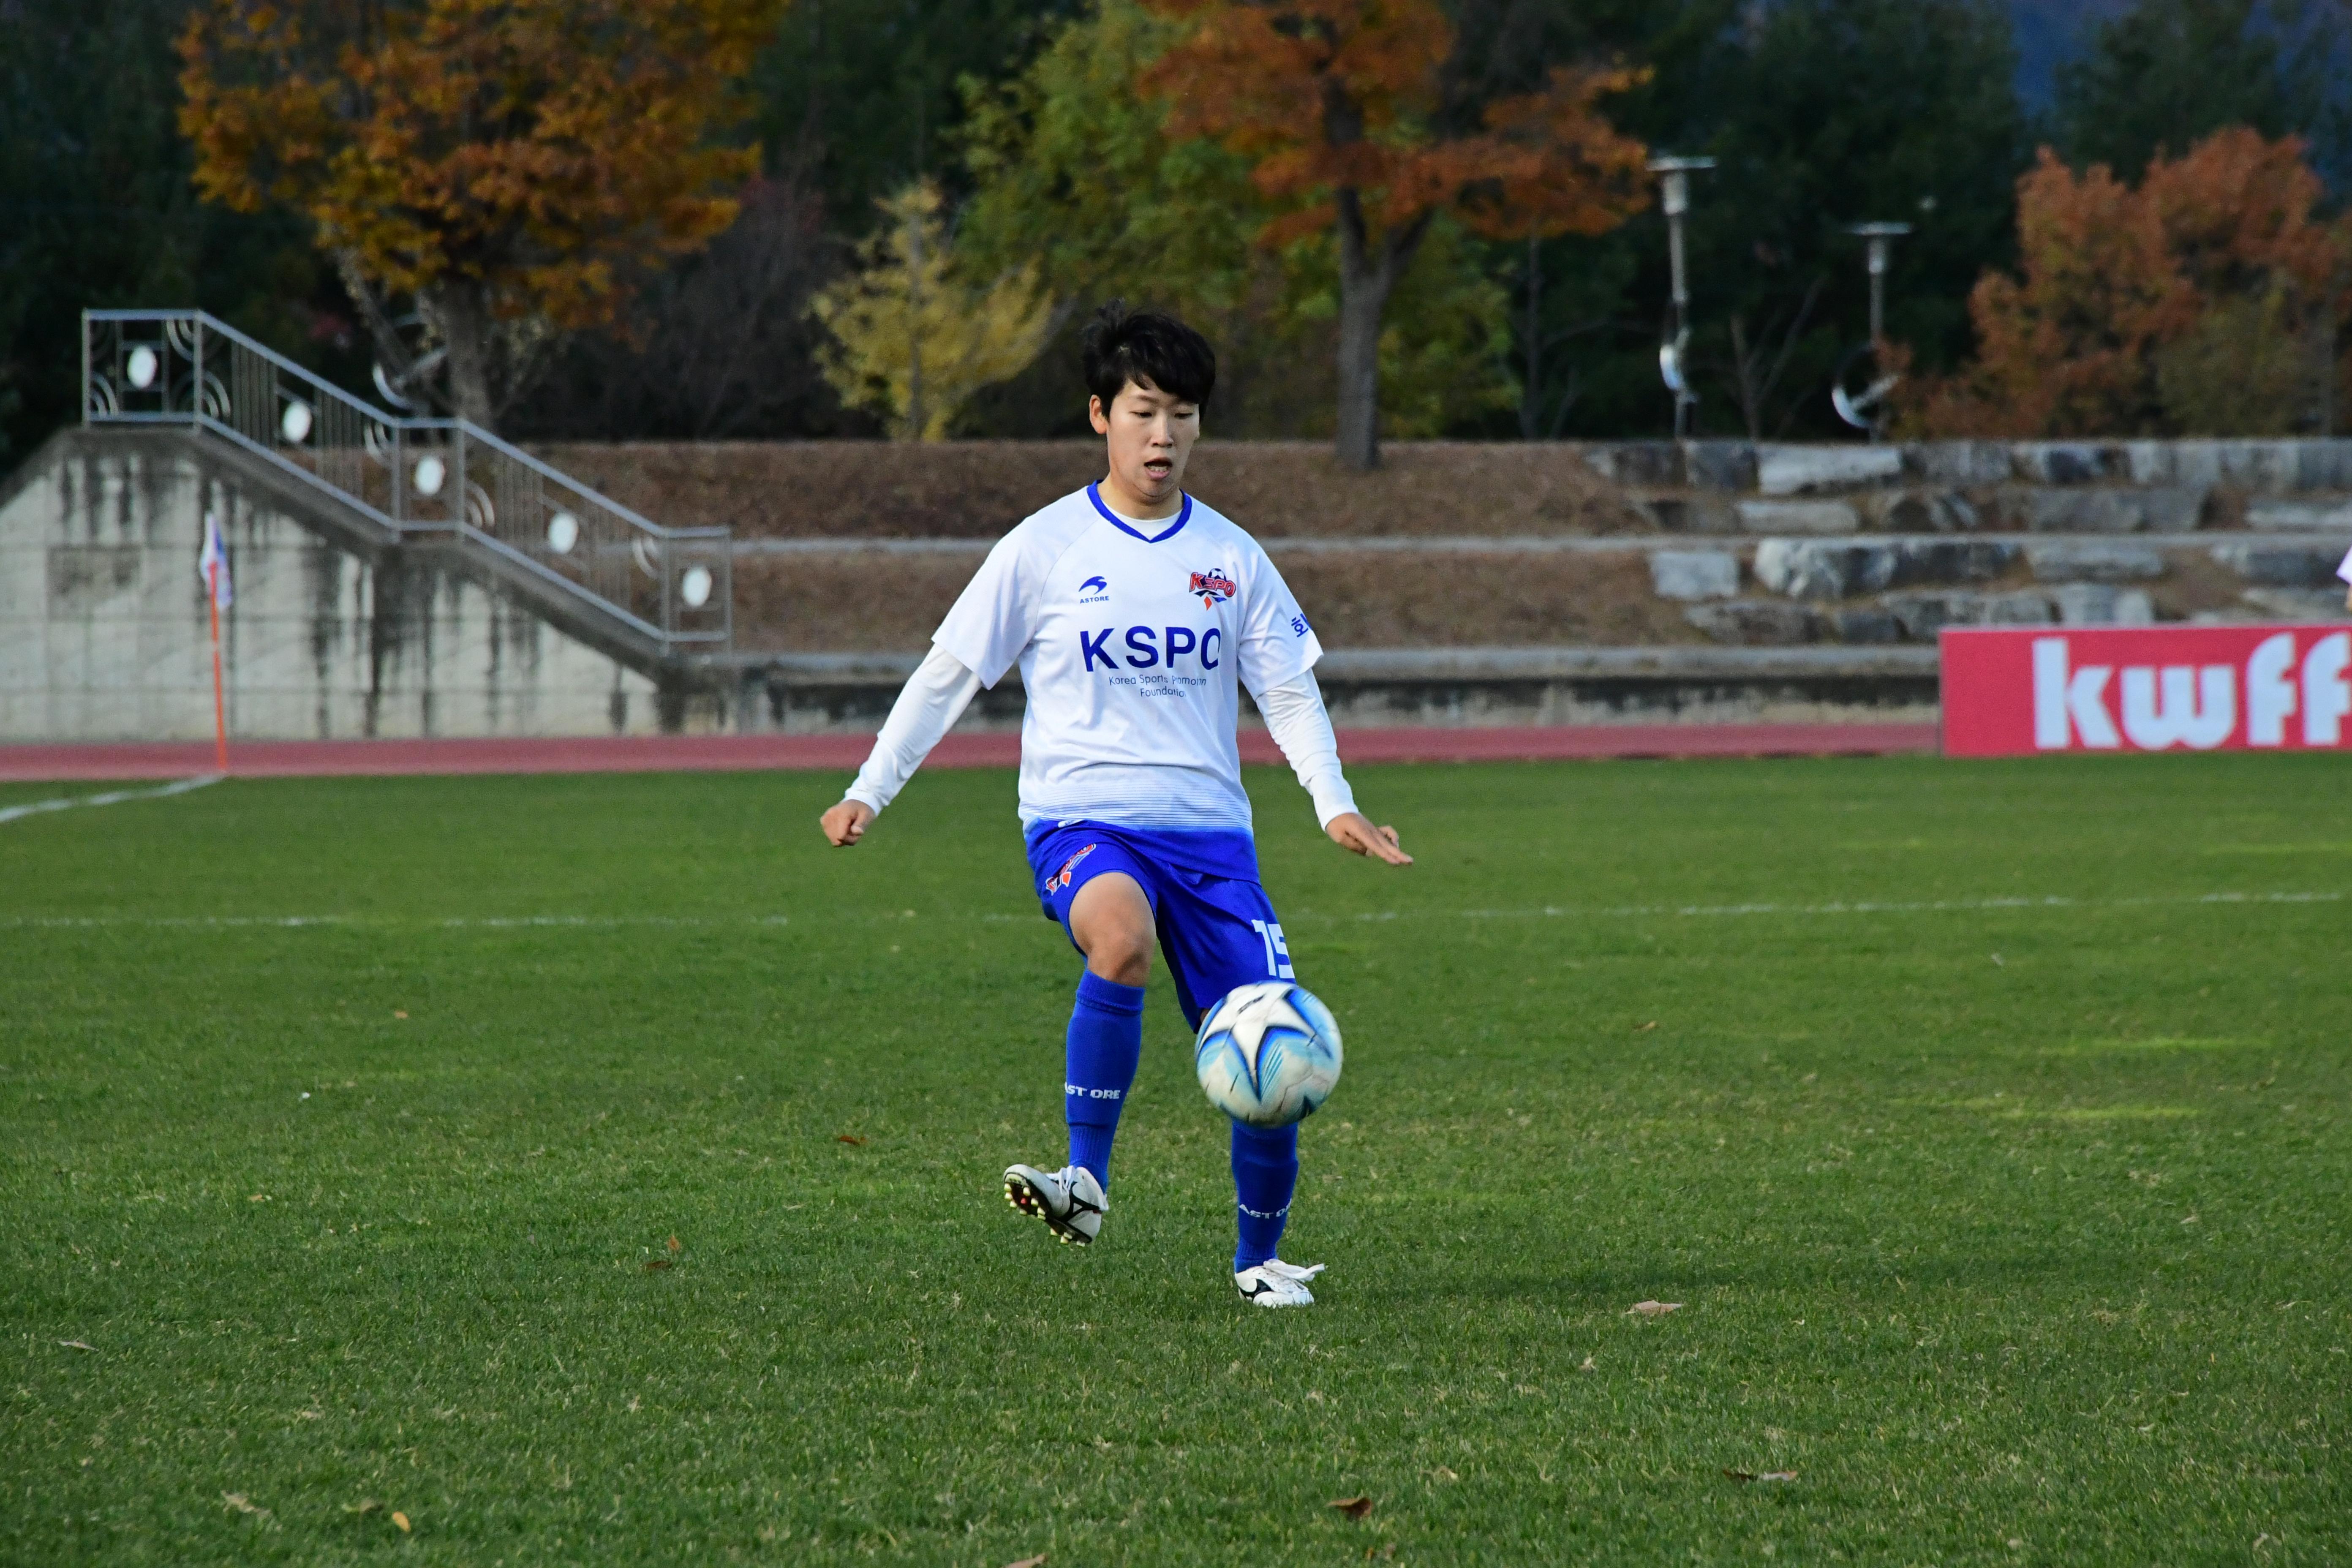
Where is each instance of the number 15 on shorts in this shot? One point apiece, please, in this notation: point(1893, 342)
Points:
point(1277, 951)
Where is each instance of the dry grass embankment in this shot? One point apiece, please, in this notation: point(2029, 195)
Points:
point(977, 489)
point(862, 602)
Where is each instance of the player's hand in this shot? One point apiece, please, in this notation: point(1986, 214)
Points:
point(1353, 830)
point(845, 824)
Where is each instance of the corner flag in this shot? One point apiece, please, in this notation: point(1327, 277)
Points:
point(212, 565)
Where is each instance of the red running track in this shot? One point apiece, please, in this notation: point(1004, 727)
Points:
point(843, 753)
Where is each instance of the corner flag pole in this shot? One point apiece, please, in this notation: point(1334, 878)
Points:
point(212, 569)
point(220, 704)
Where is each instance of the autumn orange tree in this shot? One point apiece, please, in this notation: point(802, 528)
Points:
point(1356, 124)
point(512, 164)
point(2207, 301)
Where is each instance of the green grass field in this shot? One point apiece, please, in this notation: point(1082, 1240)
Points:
point(1990, 1121)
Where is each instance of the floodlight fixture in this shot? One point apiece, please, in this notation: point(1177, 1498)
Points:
point(1881, 237)
point(1674, 183)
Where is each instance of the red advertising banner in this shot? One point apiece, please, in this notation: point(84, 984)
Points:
point(2019, 691)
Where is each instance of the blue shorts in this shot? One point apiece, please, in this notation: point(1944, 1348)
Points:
point(1217, 931)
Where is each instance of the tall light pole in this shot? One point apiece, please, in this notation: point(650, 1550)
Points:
point(1673, 181)
point(1673, 354)
point(1862, 410)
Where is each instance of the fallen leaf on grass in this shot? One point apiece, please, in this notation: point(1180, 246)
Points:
point(1037, 1562)
point(655, 1265)
point(244, 1504)
point(1645, 1028)
point(1443, 1474)
point(1353, 1507)
point(1653, 1309)
point(1588, 1365)
point(1381, 1552)
point(399, 1012)
point(401, 1520)
point(846, 1138)
point(76, 1345)
point(674, 1244)
point(365, 1507)
point(1761, 1475)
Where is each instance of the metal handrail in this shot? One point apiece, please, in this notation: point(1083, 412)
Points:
point(410, 476)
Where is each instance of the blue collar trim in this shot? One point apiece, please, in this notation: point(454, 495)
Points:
point(1183, 516)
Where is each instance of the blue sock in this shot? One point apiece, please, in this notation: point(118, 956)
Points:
point(1106, 1042)
point(1265, 1173)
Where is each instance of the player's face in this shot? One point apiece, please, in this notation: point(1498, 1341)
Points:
point(1151, 433)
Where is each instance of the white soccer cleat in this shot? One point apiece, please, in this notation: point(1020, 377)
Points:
point(1275, 1283)
point(1070, 1201)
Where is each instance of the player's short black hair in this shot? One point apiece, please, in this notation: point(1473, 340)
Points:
point(1120, 345)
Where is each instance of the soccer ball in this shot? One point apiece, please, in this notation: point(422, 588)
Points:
point(1269, 1054)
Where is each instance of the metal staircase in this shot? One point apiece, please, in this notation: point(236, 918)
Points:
point(625, 581)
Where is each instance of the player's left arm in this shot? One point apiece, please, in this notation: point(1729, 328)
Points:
point(1301, 726)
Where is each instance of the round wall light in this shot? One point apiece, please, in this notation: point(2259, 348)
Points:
point(141, 367)
point(563, 533)
point(431, 474)
point(694, 588)
point(295, 423)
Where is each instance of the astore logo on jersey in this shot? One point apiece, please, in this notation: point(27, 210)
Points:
point(1210, 586)
point(1093, 591)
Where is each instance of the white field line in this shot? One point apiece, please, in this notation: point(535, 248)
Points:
point(1548, 912)
point(1921, 906)
point(111, 797)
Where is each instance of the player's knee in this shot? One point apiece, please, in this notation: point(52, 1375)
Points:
point(1122, 954)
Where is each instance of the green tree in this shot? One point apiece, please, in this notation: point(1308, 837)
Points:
point(2168, 73)
point(1071, 166)
point(1820, 113)
point(867, 95)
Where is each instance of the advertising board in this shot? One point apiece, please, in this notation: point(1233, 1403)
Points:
point(2028, 690)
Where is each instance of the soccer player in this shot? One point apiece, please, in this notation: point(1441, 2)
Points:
point(1133, 611)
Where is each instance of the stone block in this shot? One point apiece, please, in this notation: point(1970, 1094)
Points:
point(1817, 517)
point(1798, 470)
point(1758, 622)
point(1720, 465)
point(1824, 569)
point(2153, 462)
point(2268, 466)
point(2173, 509)
point(1958, 462)
point(2092, 561)
point(1693, 573)
point(1922, 615)
point(2327, 464)
point(2086, 510)
point(2067, 462)
point(2103, 605)
point(2278, 567)
point(2332, 514)
point(1934, 561)
point(1874, 627)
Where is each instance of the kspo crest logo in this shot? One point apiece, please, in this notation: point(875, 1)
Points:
point(1209, 587)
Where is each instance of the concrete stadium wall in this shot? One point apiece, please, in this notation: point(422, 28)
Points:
point(104, 634)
